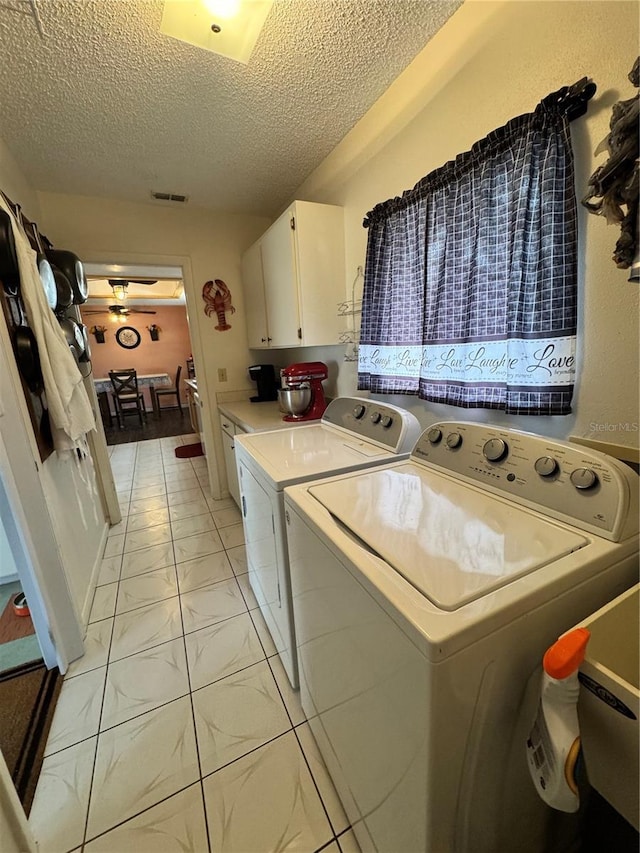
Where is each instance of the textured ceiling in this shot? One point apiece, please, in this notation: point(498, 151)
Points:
point(106, 105)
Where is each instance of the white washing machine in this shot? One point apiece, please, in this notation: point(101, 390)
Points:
point(352, 434)
point(425, 593)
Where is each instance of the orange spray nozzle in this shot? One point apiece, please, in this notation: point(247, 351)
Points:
point(566, 654)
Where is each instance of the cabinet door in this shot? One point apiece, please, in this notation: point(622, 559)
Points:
point(254, 304)
point(259, 519)
point(280, 283)
point(230, 464)
point(321, 271)
point(193, 410)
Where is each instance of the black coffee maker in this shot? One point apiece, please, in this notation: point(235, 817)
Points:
point(264, 375)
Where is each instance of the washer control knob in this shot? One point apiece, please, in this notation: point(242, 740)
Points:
point(546, 466)
point(387, 420)
point(376, 417)
point(584, 478)
point(435, 435)
point(454, 439)
point(495, 449)
point(359, 411)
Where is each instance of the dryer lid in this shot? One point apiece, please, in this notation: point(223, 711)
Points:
point(289, 456)
point(452, 543)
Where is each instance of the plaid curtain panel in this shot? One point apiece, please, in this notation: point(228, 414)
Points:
point(470, 294)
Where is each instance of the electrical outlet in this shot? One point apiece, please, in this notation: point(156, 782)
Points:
point(222, 374)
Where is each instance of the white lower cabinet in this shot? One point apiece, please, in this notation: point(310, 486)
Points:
point(229, 430)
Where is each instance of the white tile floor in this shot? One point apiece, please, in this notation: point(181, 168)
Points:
point(177, 730)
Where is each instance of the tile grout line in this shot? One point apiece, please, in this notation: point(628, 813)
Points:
point(189, 470)
point(95, 754)
point(109, 663)
point(104, 689)
point(193, 719)
point(200, 489)
point(304, 755)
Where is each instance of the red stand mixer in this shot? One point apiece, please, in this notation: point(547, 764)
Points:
point(301, 395)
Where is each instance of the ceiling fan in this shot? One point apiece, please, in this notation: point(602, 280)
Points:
point(119, 287)
point(119, 310)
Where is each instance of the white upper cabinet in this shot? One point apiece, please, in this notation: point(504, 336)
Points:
point(281, 292)
point(253, 286)
point(294, 279)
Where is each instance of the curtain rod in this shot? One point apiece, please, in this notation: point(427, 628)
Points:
point(569, 101)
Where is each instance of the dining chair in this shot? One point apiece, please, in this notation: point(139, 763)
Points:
point(174, 391)
point(126, 395)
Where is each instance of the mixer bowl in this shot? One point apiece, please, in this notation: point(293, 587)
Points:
point(295, 401)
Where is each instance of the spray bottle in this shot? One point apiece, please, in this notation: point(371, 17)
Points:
point(554, 742)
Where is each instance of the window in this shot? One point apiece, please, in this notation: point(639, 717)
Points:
point(470, 294)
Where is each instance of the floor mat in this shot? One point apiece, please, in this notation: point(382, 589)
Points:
point(14, 627)
point(187, 451)
point(28, 696)
point(171, 423)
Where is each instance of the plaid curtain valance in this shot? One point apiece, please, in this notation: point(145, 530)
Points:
point(470, 294)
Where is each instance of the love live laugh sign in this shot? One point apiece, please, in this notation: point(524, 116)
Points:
point(516, 362)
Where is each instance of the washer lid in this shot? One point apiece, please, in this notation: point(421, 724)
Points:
point(301, 453)
point(450, 542)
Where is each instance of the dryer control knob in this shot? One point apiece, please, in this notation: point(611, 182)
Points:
point(495, 449)
point(435, 435)
point(584, 478)
point(386, 421)
point(454, 439)
point(375, 418)
point(358, 412)
point(546, 466)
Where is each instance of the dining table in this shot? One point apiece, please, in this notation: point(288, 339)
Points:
point(103, 386)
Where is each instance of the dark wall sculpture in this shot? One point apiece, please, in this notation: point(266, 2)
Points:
point(613, 187)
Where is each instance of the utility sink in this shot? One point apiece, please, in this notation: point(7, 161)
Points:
point(609, 704)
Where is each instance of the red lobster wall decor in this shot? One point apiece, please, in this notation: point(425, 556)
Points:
point(217, 297)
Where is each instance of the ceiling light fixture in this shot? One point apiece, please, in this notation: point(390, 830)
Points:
point(228, 27)
point(120, 291)
point(224, 9)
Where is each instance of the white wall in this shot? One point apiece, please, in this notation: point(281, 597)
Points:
point(14, 184)
point(489, 63)
point(206, 244)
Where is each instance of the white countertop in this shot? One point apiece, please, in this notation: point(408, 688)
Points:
point(256, 417)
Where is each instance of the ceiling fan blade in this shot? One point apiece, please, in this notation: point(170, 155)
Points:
point(116, 281)
point(140, 311)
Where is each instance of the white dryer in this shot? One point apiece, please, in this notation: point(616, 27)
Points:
point(425, 593)
point(353, 434)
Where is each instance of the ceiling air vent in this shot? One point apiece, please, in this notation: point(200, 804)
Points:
point(181, 199)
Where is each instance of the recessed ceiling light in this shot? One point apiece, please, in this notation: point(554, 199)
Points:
point(223, 9)
point(228, 27)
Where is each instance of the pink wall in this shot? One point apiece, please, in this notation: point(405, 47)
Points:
point(161, 356)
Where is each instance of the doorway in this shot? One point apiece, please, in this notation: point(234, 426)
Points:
point(137, 318)
point(19, 643)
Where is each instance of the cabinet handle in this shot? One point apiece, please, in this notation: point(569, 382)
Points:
point(264, 340)
point(244, 507)
point(269, 339)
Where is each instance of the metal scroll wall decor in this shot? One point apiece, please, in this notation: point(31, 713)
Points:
point(217, 299)
point(613, 187)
